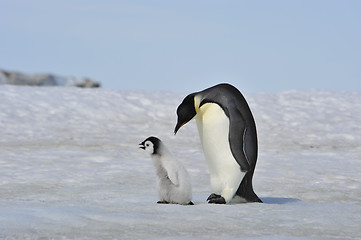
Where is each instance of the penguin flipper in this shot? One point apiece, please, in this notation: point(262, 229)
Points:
point(237, 133)
point(172, 173)
point(243, 135)
point(173, 177)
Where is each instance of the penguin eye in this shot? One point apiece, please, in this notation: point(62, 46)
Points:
point(147, 144)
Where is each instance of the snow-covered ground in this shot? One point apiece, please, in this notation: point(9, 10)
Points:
point(70, 167)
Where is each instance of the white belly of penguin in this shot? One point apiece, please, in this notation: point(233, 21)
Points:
point(225, 172)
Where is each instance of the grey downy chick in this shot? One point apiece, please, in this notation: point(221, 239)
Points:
point(174, 185)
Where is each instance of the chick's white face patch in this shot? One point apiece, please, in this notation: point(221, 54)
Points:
point(149, 147)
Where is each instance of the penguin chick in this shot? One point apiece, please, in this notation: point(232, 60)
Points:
point(174, 184)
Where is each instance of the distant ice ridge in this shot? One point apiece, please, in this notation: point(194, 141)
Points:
point(70, 167)
point(17, 78)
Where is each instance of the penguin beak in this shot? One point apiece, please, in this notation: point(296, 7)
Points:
point(178, 126)
point(183, 121)
point(141, 145)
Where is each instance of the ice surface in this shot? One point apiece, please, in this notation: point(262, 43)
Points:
point(70, 167)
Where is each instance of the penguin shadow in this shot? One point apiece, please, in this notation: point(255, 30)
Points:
point(279, 200)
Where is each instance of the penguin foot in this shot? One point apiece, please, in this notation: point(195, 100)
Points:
point(213, 195)
point(190, 203)
point(163, 202)
point(217, 199)
point(220, 200)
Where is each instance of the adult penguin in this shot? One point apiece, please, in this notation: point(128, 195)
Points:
point(229, 139)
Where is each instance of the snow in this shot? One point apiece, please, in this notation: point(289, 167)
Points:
point(70, 167)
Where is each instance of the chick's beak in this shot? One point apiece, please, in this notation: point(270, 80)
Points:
point(141, 145)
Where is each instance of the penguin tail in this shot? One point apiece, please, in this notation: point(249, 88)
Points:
point(245, 189)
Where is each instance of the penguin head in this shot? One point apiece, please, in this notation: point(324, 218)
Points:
point(186, 111)
point(151, 145)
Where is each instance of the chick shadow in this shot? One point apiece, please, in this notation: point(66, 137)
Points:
point(279, 200)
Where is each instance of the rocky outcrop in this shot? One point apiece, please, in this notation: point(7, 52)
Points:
point(18, 78)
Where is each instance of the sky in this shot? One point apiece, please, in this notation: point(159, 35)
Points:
point(188, 45)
